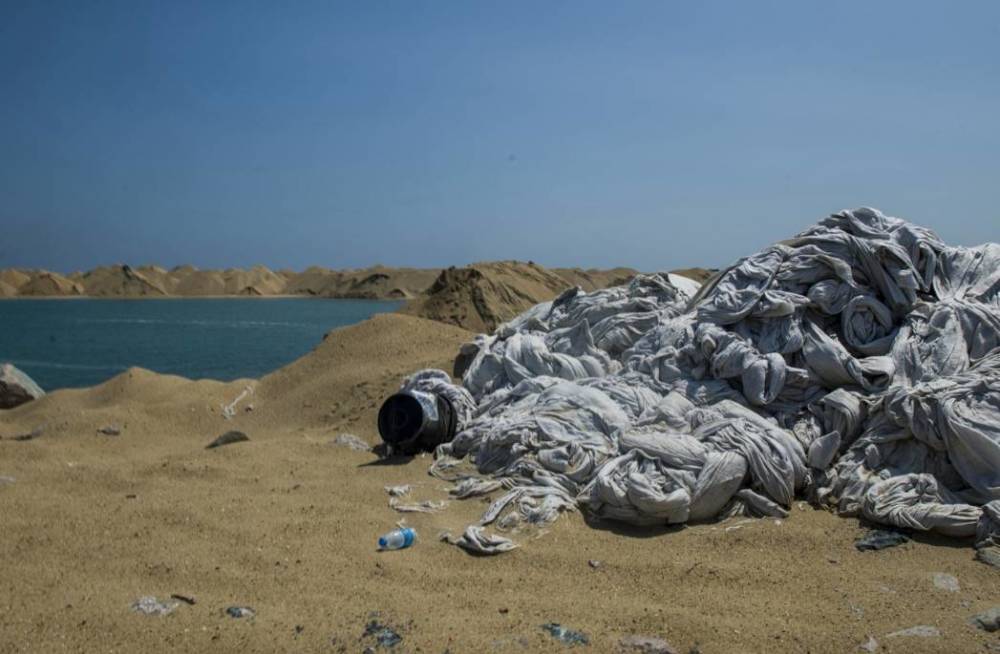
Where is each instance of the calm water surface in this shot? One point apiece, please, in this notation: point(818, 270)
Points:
point(72, 343)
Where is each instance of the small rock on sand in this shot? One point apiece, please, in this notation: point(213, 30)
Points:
point(645, 645)
point(16, 387)
point(149, 605)
point(946, 582)
point(920, 631)
point(989, 556)
point(988, 620)
point(240, 612)
point(228, 438)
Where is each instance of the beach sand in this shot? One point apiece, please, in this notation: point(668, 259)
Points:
point(287, 524)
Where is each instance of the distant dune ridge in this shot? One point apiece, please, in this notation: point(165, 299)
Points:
point(477, 297)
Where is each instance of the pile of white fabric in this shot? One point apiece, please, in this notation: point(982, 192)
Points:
point(856, 365)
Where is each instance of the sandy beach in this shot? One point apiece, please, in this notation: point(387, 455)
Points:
point(286, 524)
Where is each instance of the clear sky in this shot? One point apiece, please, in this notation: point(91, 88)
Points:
point(649, 134)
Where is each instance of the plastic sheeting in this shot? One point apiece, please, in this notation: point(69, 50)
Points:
point(856, 365)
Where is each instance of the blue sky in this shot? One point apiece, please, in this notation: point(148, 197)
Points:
point(649, 134)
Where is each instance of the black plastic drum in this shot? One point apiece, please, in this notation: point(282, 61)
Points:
point(412, 421)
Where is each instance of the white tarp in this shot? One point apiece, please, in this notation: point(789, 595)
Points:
point(855, 365)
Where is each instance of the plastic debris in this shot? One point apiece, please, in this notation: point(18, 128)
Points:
point(239, 612)
point(946, 582)
point(397, 539)
point(351, 442)
point(149, 605)
point(856, 364)
point(568, 636)
point(398, 491)
point(870, 645)
point(110, 430)
point(4, 479)
point(227, 439)
point(880, 539)
point(229, 410)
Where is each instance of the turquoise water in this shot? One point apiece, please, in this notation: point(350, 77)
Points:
point(74, 343)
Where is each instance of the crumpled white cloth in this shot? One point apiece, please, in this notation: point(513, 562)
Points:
point(856, 364)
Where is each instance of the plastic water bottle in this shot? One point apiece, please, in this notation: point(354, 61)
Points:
point(397, 539)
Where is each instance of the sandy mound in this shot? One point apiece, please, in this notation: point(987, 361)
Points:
point(44, 283)
point(119, 281)
point(259, 280)
point(377, 282)
point(14, 278)
point(6, 290)
point(593, 279)
point(286, 523)
point(481, 296)
point(191, 282)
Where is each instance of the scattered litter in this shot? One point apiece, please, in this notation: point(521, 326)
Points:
point(920, 631)
point(4, 479)
point(989, 556)
point(240, 612)
point(110, 430)
point(228, 438)
point(646, 645)
point(870, 645)
point(880, 539)
point(397, 539)
point(398, 491)
point(385, 636)
point(594, 563)
point(31, 435)
point(988, 620)
point(476, 541)
point(426, 506)
point(351, 442)
point(149, 605)
point(229, 410)
point(568, 636)
point(946, 582)
point(190, 601)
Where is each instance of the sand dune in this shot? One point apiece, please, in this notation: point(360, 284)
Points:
point(286, 524)
point(481, 296)
point(47, 284)
point(119, 281)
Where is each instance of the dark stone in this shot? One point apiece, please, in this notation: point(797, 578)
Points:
point(16, 387)
point(240, 612)
point(988, 620)
point(880, 539)
point(385, 636)
point(228, 438)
